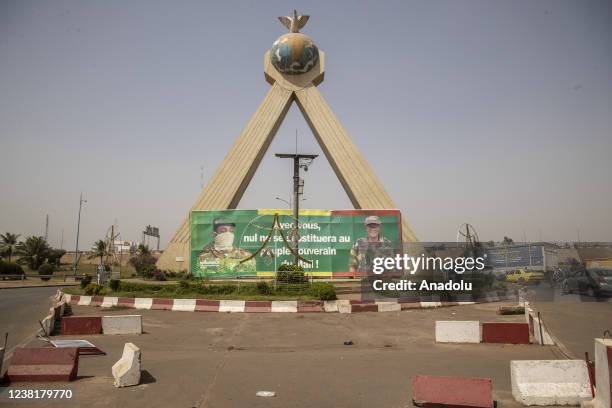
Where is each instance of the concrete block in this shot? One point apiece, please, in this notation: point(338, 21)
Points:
point(43, 364)
point(126, 371)
point(143, 303)
point(452, 392)
point(84, 300)
point(550, 382)
point(109, 301)
point(330, 306)
point(603, 373)
point(545, 337)
point(81, 325)
point(284, 306)
point(122, 324)
point(233, 306)
point(184, 305)
point(48, 323)
point(457, 331)
point(508, 333)
point(344, 306)
point(389, 307)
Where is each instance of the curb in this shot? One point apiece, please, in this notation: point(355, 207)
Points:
point(271, 306)
point(39, 286)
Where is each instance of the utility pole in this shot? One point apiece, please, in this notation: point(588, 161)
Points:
point(299, 161)
point(76, 250)
point(47, 228)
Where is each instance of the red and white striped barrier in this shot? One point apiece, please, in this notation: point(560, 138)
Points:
point(454, 331)
point(262, 306)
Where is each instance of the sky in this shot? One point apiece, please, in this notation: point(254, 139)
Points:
point(498, 114)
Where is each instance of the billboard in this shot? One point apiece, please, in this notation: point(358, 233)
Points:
point(233, 243)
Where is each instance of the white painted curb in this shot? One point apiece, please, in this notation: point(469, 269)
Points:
point(184, 305)
point(389, 307)
point(109, 301)
point(143, 303)
point(550, 382)
point(284, 306)
point(233, 306)
point(458, 331)
point(84, 301)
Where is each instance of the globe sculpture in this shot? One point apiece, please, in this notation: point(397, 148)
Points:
point(294, 54)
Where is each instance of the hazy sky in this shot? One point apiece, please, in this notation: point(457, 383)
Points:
point(497, 113)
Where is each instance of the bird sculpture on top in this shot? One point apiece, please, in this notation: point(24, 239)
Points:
point(294, 23)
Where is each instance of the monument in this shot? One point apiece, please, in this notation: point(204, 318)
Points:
point(294, 66)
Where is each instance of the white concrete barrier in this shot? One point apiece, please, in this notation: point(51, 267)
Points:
point(344, 306)
point(431, 304)
point(48, 323)
point(330, 306)
point(284, 306)
point(184, 305)
point(550, 382)
point(109, 301)
point(458, 331)
point(84, 301)
point(122, 324)
point(143, 303)
point(538, 325)
point(126, 371)
point(234, 306)
point(603, 377)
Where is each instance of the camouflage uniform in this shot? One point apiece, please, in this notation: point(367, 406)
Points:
point(212, 260)
point(364, 252)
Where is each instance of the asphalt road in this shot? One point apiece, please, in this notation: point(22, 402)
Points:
point(20, 310)
point(576, 320)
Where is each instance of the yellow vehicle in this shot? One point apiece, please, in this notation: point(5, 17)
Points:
point(524, 276)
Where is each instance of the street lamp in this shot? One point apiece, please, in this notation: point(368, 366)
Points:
point(76, 250)
point(287, 202)
point(300, 161)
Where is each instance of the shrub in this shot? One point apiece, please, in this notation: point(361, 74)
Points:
point(46, 269)
point(93, 289)
point(184, 285)
point(159, 275)
point(10, 268)
point(263, 288)
point(114, 284)
point(144, 264)
point(288, 273)
point(322, 290)
point(85, 280)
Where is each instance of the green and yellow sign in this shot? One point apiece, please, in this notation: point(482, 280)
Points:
point(234, 243)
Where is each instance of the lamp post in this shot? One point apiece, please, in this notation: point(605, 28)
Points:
point(76, 250)
point(299, 161)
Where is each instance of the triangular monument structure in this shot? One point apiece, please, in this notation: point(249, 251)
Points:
point(294, 66)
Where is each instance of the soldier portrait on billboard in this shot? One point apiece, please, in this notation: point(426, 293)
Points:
point(373, 245)
point(220, 255)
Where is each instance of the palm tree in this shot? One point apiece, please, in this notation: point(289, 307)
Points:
point(34, 252)
point(99, 250)
point(8, 244)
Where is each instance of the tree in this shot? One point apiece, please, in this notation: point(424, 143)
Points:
point(144, 261)
point(8, 244)
point(99, 250)
point(55, 256)
point(143, 249)
point(34, 251)
point(508, 241)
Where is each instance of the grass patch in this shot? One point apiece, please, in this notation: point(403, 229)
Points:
point(200, 290)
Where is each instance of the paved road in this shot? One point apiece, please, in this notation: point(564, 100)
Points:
point(574, 319)
point(220, 360)
point(20, 310)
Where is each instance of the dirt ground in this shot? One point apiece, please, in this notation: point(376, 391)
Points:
point(221, 359)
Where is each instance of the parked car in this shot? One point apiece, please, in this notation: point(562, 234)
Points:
point(593, 282)
point(524, 276)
